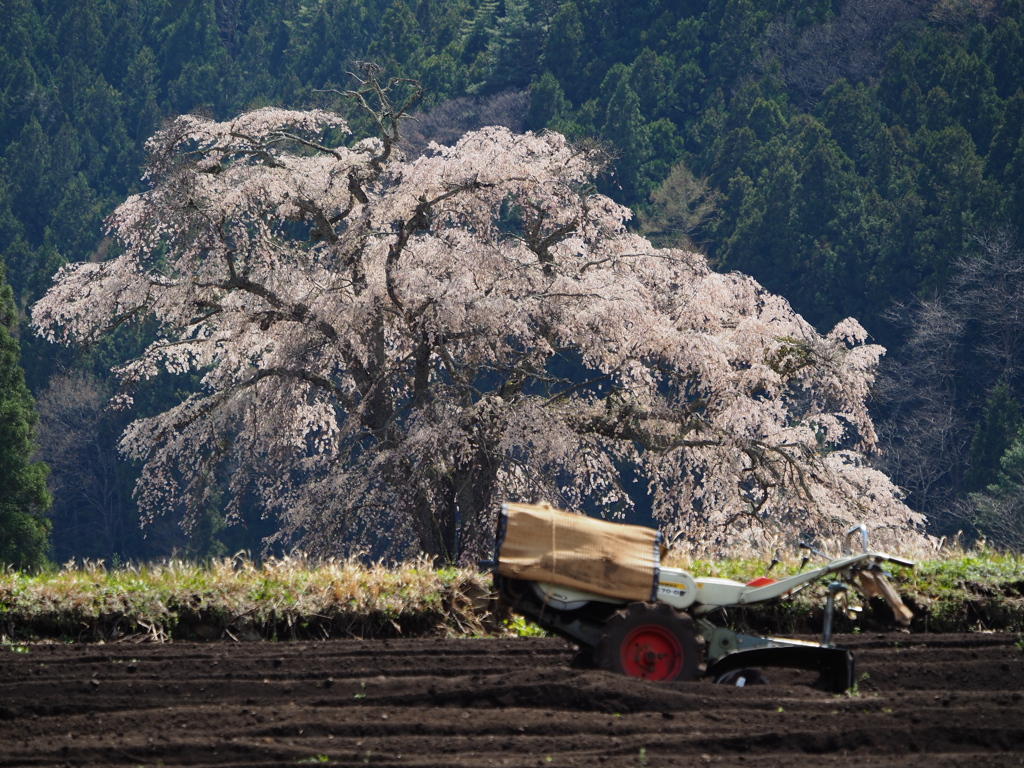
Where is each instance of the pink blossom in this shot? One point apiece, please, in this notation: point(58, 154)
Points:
point(391, 349)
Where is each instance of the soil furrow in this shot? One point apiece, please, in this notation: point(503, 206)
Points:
point(921, 700)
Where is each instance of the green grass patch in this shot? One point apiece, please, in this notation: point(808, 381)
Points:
point(959, 591)
point(981, 590)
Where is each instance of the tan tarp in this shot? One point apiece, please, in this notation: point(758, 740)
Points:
point(542, 543)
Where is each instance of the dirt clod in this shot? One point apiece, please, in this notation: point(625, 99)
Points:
point(944, 700)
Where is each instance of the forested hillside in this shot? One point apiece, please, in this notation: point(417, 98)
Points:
point(861, 159)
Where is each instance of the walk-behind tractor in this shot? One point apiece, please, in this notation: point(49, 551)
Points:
point(601, 585)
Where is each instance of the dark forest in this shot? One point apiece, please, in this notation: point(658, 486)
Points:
point(861, 159)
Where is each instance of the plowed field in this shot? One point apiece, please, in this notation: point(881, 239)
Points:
point(922, 700)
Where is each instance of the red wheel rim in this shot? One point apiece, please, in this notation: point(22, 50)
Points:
point(652, 653)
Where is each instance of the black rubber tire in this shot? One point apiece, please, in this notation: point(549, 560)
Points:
point(619, 647)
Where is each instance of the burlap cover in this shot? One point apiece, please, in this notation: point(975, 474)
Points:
point(540, 543)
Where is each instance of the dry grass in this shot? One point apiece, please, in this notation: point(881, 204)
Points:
point(957, 589)
point(236, 599)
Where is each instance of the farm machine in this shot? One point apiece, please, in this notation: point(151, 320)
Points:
point(601, 586)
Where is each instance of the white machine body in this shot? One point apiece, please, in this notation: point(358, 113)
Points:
point(700, 596)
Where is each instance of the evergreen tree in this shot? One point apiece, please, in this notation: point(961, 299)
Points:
point(515, 46)
point(547, 103)
point(24, 531)
point(565, 43)
point(898, 90)
point(625, 128)
point(1000, 510)
point(999, 426)
point(972, 92)
point(1006, 57)
point(1006, 138)
point(398, 45)
point(650, 77)
point(1011, 474)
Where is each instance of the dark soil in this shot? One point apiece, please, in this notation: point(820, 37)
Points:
point(922, 700)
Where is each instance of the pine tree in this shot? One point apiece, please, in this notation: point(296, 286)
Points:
point(565, 47)
point(547, 102)
point(1011, 475)
point(516, 46)
point(999, 426)
point(626, 129)
point(24, 531)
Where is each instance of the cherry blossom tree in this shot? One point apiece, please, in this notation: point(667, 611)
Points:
point(392, 346)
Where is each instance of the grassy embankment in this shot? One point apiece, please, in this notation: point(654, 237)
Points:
point(235, 599)
point(958, 591)
point(291, 599)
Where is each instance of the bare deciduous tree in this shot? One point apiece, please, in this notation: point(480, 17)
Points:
point(852, 45)
point(391, 348)
point(925, 432)
point(448, 121)
point(680, 206)
point(957, 349)
point(94, 514)
point(988, 288)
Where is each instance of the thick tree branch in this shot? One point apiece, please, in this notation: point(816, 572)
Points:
point(417, 222)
